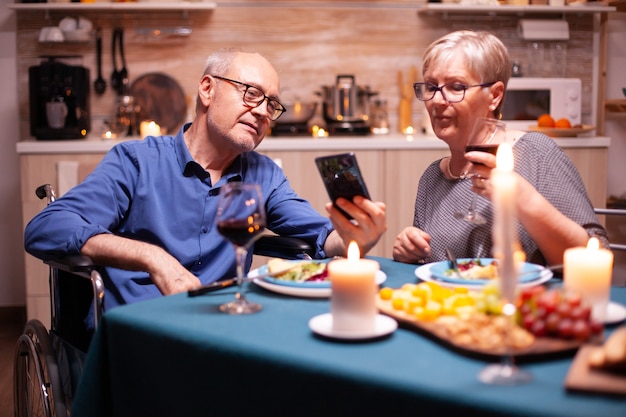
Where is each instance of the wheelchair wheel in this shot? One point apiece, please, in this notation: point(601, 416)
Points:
point(37, 385)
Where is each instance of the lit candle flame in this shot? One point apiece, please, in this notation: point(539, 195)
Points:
point(504, 158)
point(353, 251)
point(593, 244)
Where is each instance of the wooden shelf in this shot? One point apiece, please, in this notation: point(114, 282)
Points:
point(447, 8)
point(620, 5)
point(115, 6)
point(617, 105)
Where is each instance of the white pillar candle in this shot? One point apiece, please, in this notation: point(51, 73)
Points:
point(504, 186)
point(353, 297)
point(149, 128)
point(588, 271)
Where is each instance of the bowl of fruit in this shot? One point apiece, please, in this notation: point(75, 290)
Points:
point(559, 127)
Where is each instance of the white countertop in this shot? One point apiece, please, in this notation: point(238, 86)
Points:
point(298, 143)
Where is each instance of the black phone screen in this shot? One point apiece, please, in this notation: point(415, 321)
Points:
point(342, 176)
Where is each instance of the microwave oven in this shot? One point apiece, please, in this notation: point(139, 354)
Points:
point(527, 98)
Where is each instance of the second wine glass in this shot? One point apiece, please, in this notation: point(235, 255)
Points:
point(486, 136)
point(241, 219)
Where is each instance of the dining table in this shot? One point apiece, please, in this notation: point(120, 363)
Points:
point(180, 356)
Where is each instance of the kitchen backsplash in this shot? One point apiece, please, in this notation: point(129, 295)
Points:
point(309, 45)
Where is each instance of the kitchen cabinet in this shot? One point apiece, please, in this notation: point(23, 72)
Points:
point(391, 166)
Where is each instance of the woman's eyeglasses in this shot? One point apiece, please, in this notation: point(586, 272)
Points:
point(452, 93)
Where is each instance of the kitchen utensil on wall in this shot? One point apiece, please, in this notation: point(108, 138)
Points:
point(99, 85)
point(119, 78)
point(115, 75)
point(123, 71)
point(160, 99)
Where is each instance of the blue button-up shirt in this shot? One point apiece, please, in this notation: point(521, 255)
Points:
point(153, 191)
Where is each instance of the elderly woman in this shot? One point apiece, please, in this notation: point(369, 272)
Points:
point(465, 76)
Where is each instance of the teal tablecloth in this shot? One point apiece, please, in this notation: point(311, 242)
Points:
point(179, 356)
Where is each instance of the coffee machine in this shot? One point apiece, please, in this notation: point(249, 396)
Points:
point(59, 99)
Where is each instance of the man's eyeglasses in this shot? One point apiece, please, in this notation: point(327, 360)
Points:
point(452, 93)
point(253, 97)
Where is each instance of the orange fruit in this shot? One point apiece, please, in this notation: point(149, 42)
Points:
point(545, 120)
point(563, 123)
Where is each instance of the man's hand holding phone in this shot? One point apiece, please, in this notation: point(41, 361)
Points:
point(353, 214)
point(342, 177)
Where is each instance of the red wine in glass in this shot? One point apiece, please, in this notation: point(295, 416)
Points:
point(240, 219)
point(486, 135)
point(240, 231)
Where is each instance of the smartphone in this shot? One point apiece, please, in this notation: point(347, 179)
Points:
point(342, 177)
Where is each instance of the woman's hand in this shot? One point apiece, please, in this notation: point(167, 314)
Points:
point(412, 245)
point(482, 164)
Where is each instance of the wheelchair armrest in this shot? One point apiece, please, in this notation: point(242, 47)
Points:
point(72, 263)
point(64, 286)
point(283, 247)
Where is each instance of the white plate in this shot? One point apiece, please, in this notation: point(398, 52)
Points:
point(615, 313)
point(323, 325)
point(440, 270)
point(307, 292)
point(423, 272)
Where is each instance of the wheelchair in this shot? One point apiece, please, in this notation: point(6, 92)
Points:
point(48, 364)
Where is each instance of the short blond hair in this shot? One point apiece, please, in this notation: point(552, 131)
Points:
point(486, 56)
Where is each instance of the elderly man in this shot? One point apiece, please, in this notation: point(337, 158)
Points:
point(147, 212)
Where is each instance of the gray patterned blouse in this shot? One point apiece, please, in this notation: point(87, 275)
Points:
point(540, 161)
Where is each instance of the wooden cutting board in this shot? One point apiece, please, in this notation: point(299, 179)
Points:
point(582, 378)
point(542, 348)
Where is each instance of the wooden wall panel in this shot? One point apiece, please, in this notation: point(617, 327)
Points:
point(309, 45)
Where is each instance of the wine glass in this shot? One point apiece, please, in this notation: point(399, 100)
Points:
point(487, 134)
point(505, 372)
point(240, 219)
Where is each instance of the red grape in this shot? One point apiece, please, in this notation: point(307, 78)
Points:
point(581, 330)
point(574, 299)
point(539, 328)
point(556, 313)
point(566, 328)
point(596, 327)
point(552, 322)
point(580, 313)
